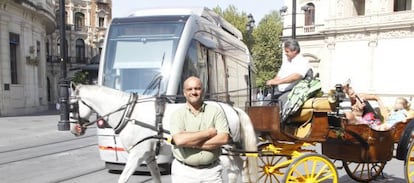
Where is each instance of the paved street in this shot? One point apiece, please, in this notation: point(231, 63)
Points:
point(32, 150)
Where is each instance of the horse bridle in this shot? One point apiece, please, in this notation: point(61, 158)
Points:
point(84, 123)
point(126, 117)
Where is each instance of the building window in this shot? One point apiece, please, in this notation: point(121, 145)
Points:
point(48, 56)
point(310, 14)
point(309, 17)
point(38, 49)
point(80, 51)
point(101, 22)
point(359, 7)
point(402, 5)
point(14, 40)
point(79, 21)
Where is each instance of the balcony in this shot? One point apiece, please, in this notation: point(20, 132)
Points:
point(308, 28)
point(75, 28)
point(371, 22)
point(71, 60)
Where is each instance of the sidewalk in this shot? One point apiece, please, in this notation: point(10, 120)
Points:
point(50, 111)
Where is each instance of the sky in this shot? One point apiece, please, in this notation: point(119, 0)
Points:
point(258, 8)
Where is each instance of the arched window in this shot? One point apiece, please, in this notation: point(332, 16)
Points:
point(310, 14)
point(80, 51)
point(309, 17)
point(79, 20)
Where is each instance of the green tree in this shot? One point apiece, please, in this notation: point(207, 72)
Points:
point(236, 18)
point(80, 77)
point(265, 40)
point(267, 51)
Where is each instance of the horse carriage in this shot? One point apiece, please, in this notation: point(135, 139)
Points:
point(285, 151)
point(285, 156)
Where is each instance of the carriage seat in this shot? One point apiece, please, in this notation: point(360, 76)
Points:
point(317, 104)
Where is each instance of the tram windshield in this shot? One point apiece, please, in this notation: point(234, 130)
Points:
point(139, 54)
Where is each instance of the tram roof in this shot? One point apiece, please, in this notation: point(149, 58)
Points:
point(206, 13)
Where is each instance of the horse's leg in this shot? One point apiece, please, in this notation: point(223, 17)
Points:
point(233, 166)
point(153, 167)
point(135, 158)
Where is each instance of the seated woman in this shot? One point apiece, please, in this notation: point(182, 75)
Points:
point(361, 114)
point(360, 111)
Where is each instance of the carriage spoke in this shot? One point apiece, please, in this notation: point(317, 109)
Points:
point(277, 180)
point(313, 168)
point(363, 171)
point(322, 170)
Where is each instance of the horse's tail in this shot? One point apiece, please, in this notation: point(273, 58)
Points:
point(248, 138)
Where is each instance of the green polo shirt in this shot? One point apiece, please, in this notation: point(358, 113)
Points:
point(184, 120)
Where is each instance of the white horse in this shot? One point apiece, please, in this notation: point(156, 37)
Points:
point(136, 121)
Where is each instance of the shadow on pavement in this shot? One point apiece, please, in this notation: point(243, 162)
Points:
point(380, 179)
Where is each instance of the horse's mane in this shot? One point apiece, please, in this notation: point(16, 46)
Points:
point(101, 90)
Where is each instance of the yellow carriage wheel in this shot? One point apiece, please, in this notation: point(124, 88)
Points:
point(269, 171)
point(363, 172)
point(271, 165)
point(409, 163)
point(313, 168)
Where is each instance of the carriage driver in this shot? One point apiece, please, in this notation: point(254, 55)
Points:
point(294, 68)
point(198, 130)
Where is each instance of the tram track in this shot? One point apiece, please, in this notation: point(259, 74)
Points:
point(80, 175)
point(48, 154)
point(47, 149)
point(46, 144)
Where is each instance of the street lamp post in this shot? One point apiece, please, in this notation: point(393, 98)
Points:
point(293, 19)
point(284, 10)
point(249, 27)
point(63, 124)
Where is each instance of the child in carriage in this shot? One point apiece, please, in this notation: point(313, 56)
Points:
point(361, 113)
point(400, 113)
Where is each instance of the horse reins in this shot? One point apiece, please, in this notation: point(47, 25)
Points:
point(126, 117)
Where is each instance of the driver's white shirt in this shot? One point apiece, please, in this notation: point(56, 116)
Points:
point(298, 64)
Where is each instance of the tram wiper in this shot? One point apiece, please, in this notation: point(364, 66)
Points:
point(156, 80)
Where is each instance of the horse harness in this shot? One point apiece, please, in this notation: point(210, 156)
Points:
point(127, 113)
point(126, 117)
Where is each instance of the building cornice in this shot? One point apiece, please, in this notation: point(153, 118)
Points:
point(376, 22)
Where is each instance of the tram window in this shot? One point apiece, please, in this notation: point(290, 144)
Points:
point(203, 68)
point(189, 68)
point(217, 77)
point(137, 80)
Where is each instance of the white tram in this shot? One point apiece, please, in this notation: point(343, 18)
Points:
point(153, 51)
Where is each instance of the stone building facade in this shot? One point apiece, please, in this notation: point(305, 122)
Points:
point(24, 26)
point(30, 49)
point(367, 41)
point(86, 25)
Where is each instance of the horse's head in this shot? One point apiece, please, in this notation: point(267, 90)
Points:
point(79, 111)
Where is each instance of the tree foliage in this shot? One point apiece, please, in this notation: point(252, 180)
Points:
point(267, 51)
point(265, 41)
point(236, 18)
point(80, 77)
